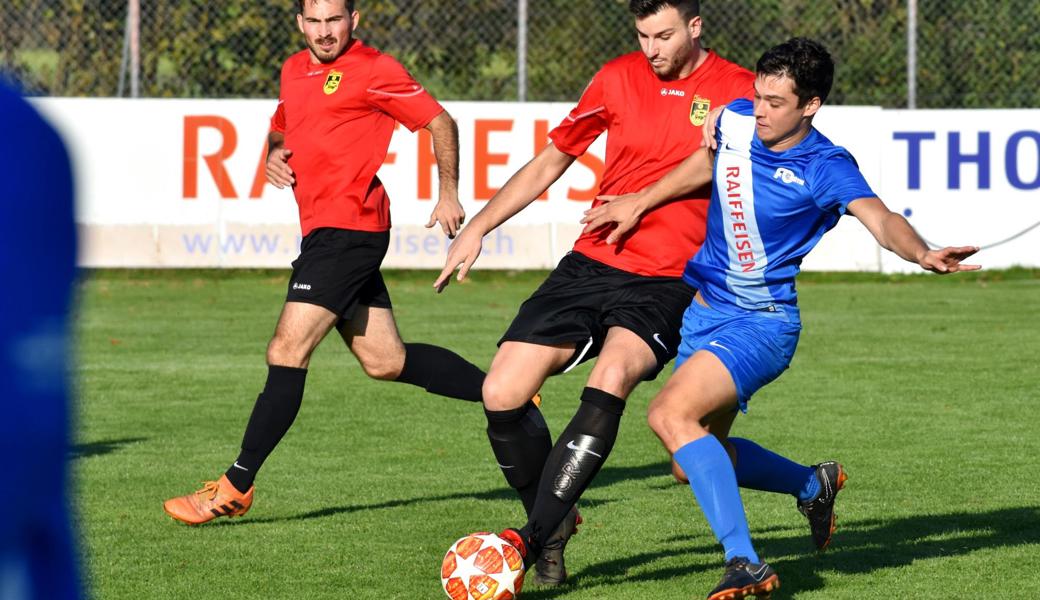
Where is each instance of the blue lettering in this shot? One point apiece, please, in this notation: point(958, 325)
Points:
point(1011, 160)
point(411, 244)
point(913, 153)
point(264, 244)
point(955, 158)
point(431, 244)
point(197, 242)
point(234, 243)
point(502, 239)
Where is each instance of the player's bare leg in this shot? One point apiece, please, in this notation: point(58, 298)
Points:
point(518, 371)
point(371, 335)
point(699, 393)
point(300, 329)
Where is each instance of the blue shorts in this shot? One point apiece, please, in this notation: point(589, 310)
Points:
point(755, 348)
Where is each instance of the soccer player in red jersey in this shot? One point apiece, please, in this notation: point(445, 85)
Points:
point(329, 135)
point(622, 302)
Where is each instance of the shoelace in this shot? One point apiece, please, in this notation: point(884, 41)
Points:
point(209, 487)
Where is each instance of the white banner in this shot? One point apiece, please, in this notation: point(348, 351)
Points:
point(179, 183)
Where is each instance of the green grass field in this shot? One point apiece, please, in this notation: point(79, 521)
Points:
point(924, 387)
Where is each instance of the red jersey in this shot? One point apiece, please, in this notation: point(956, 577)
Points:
point(652, 126)
point(338, 119)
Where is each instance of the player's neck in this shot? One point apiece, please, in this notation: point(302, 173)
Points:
point(697, 59)
point(790, 140)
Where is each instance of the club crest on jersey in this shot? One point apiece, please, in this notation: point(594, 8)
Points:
point(788, 176)
point(699, 109)
point(332, 82)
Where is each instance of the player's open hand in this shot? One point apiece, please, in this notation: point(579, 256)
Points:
point(464, 251)
point(948, 260)
point(279, 173)
point(708, 129)
point(449, 214)
point(621, 210)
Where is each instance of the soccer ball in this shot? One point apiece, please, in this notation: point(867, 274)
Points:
point(482, 566)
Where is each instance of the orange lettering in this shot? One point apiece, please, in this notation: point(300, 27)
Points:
point(483, 159)
point(260, 177)
point(214, 161)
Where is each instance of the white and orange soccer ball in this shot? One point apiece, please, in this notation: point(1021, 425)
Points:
point(482, 566)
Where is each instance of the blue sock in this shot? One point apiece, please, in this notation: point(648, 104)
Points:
point(713, 482)
point(761, 469)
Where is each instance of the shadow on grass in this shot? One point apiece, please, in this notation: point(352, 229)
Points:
point(608, 476)
point(859, 547)
point(101, 448)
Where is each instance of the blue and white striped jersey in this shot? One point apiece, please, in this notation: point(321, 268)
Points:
point(768, 210)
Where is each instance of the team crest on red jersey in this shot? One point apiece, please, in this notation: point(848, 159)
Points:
point(699, 110)
point(332, 82)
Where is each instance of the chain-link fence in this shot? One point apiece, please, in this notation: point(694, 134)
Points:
point(966, 53)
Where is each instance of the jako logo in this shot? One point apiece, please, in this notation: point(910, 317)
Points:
point(787, 176)
point(670, 92)
point(301, 286)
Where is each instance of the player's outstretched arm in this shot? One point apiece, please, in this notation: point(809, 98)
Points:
point(895, 234)
point(626, 210)
point(522, 188)
point(277, 169)
point(448, 212)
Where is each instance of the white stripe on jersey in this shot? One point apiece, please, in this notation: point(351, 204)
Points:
point(745, 274)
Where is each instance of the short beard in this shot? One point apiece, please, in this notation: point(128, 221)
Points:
point(319, 54)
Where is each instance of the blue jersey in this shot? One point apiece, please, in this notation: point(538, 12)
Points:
point(38, 262)
point(768, 210)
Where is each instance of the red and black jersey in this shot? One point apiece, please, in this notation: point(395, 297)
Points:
point(338, 119)
point(651, 125)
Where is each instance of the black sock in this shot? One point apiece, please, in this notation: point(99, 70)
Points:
point(521, 442)
point(441, 371)
point(575, 459)
point(273, 414)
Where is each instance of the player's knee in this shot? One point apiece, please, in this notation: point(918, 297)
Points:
point(383, 368)
point(283, 352)
point(617, 378)
point(664, 421)
point(499, 394)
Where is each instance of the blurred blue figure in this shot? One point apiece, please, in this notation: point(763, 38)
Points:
point(38, 559)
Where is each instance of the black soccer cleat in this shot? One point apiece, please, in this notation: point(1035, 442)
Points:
point(744, 578)
point(549, 569)
point(820, 510)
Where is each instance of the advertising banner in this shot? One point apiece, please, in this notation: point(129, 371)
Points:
point(180, 183)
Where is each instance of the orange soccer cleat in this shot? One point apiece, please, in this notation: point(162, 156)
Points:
point(215, 499)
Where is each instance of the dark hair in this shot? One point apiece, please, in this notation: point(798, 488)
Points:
point(688, 9)
point(300, 3)
point(806, 62)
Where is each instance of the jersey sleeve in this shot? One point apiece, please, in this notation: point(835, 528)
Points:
point(738, 107)
point(743, 84)
point(585, 122)
point(836, 181)
point(392, 90)
point(278, 118)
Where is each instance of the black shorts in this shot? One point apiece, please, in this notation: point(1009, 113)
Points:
point(338, 269)
point(582, 298)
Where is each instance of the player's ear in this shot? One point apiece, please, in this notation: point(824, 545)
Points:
point(299, 22)
point(355, 18)
point(812, 107)
point(694, 27)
